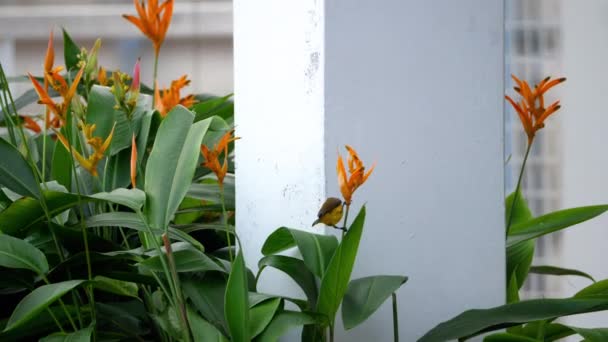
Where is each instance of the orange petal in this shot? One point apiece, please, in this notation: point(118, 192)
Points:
point(106, 143)
point(50, 54)
point(342, 181)
point(550, 110)
point(30, 124)
point(135, 21)
point(73, 87)
point(551, 84)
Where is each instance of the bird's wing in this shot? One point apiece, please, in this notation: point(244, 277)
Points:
point(329, 205)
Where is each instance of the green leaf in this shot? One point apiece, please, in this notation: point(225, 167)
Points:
point(475, 322)
point(316, 249)
point(365, 295)
point(203, 330)
point(551, 331)
point(43, 323)
point(17, 253)
point(61, 166)
point(599, 288)
point(559, 271)
point(83, 335)
point(119, 287)
point(592, 335)
point(38, 300)
point(211, 191)
point(70, 51)
point(335, 282)
point(171, 164)
point(513, 289)
point(236, 301)
point(188, 259)
point(287, 320)
point(220, 106)
point(118, 170)
point(296, 269)
point(506, 337)
point(15, 172)
point(130, 198)
point(519, 256)
point(261, 314)
point(552, 222)
point(26, 212)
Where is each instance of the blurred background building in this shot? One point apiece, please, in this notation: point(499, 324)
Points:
point(199, 41)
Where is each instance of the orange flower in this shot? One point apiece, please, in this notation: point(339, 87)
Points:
point(171, 97)
point(356, 169)
point(531, 108)
point(30, 124)
point(98, 146)
point(133, 162)
point(59, 84)
point(212, 156)
point(153, 21)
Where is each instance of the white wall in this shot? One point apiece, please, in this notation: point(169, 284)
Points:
point(585, 139)
point(417, 87)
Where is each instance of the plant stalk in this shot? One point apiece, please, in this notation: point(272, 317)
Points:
point(225, 219)
point(395, 318)
point(515, 197)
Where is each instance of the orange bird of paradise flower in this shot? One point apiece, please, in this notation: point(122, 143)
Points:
point(357, 175)
point(166, 99)
point(98, 146)
point(531, 107)
point(211, 156)
point(153, 21)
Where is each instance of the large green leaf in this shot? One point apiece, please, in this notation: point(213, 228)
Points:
point(118, 170)
point(220, 106)
point(365, 295)
point(17, 253)
point(130, 198)
point(236, 301)
point(171, 165)
point(475, 322)
point(261, 314)
point(519, 256)
point(599, 288)
point(26, 212)
point(559, 271)
point(296, 269)
point(316, 249)
point(287, 320)
point(203, 330)
point(335, 282)
point(15, 172)
point(207, 295)
point(38, 300)
point(210, 191)
point(552, 222)
point(550, 331)
point(83, 335)
point(43, 323)
point(188, 259)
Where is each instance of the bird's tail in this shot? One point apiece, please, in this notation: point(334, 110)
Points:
point(316, 222)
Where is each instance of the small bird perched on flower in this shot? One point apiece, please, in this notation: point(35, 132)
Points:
point(330, 213)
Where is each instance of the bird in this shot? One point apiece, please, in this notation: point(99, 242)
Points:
point(330, 213)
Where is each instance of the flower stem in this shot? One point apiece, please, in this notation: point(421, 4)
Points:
point(515, 197)
point(395, 318)
point(154, 76)
point(225, 219)
point(178, 290)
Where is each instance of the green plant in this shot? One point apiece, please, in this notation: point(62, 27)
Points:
point(531, 320)
point(117, 217)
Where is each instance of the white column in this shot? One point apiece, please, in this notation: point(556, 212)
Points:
point(7, 54)
point(417, 87)
point(585, 161)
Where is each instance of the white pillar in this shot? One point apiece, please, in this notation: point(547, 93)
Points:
point(585, 162)
point(7, 54)
point(417, 87)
